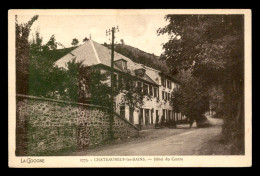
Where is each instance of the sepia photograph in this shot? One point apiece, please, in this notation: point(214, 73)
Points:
point(129, 88)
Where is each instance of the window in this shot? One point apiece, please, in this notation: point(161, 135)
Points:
point(124, 65)
point(139, 85)
point(122, 111)
point(151, 116)
point(121, 63)
point(120, 83)
point(140, 72)
point(169, 114)
point(169, 96)
point(163, 117)
point(141, 116)
point(150, 90)
point(163, 82)
point(145, 89)
point(147, 116)
point(155, 92)
point(163, 95)
point(123, 82)
point(115, 80)
point(169, 84)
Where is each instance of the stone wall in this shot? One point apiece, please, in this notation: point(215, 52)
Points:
point(47, 127)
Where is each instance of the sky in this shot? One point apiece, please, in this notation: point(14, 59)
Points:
point(136, 30)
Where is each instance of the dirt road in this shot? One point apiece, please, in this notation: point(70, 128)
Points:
point(180, 141)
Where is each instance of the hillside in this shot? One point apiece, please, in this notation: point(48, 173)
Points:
point(141, 57)
point(54, 55)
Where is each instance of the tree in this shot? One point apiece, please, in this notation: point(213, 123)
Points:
point(191, 98)
point(98, 89)
point(37, 75)
point(216, 101)
point(122, 41)
point(85, 84)
point(132, 95)
point(85, 39)
point(52, 44)
point(36, 44)
point(75, 42)
point(45, 79)
point(211, 46)
point(22, 31)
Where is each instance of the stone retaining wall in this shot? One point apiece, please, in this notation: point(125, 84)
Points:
point(46, 126)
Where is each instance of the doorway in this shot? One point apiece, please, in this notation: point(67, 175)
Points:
point(122, 111)
point(131, 115)
point(141, 116)
point(157, 116)
point(152, 116)
point(146, 116)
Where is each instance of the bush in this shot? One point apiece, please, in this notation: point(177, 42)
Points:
point(162, 122)
point(202, 122)
point(170, 123)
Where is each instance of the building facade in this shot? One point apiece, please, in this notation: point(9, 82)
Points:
point(157, 85)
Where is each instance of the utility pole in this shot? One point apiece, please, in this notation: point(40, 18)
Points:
point(113, 31)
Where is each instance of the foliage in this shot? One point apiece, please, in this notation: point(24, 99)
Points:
point(170, 123)
point(191, 99)
point(52, 44)
point(87, 84)
point(44, 78)
point(211, 46)
point(132, 95)
point(75, 42)
point(100, 91)
point(122, 41)
point(36, 45)
point(77, 83)
point(37, 75)
point(217, 100)
point(85, 39)
point(22, 31)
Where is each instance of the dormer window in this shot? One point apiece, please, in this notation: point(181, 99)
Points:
point(163, 82)
point(124, 65)
point(169, 84)
point(121, 63)
point(140, 72)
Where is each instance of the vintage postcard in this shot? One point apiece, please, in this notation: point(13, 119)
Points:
point(130, 88)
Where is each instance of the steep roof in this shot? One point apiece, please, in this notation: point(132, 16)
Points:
point(92, 53)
